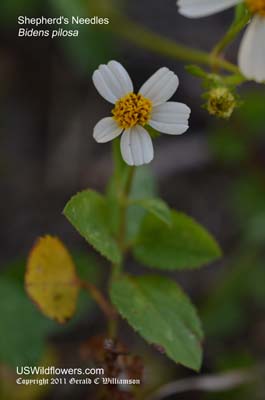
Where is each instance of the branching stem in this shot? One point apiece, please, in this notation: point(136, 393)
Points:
point(228, 38)
point(99, 298)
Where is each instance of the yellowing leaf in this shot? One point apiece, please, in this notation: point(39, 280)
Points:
point(51, 280)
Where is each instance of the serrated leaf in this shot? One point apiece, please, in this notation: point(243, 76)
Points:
point(184, 244)
point(51, 280)
point(88, 213)
point(156, 207)
point(159, 310)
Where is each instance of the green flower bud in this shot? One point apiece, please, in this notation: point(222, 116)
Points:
point(221, 102)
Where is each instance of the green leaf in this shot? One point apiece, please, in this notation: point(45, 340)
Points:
point(87, 211)
point(184, 244)
point(160, 311)
point(156, 207)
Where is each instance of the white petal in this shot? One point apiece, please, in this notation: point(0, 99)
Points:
point(122, 75)
point(251, 58)
point(106, 129)
point(103, 87)
point(136, 146)
point(203, 8)
point(171, 118)
point(160, 86)
point(112, 81)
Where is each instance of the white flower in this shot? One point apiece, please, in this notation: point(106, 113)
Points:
point(133, 111)
point(251, 57)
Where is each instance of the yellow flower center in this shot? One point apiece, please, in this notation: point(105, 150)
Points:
point(132, 109)
point(256, 6)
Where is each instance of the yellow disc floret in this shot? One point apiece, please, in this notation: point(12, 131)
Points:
point(132, 109)
point(256, 6)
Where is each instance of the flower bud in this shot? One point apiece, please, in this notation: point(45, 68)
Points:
point(221, 102)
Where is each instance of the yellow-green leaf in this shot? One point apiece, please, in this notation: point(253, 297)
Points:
point(51, 280)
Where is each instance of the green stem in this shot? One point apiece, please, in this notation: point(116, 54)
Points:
point(123, 193)
point(123, 209)
point(123, 199)
point(142, 37)
point(230, 35)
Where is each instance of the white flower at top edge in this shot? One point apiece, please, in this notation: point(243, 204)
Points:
point(251, 57)
point(132, 111)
